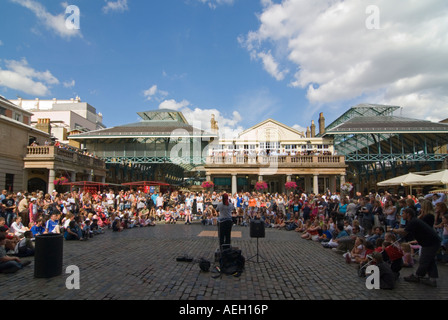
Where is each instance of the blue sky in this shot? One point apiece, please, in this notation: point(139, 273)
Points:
point(243, 60)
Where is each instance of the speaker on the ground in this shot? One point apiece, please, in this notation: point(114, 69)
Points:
point(257, 229)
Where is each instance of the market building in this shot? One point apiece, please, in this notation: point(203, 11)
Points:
point(162, 147)
point(379, 143)
point(276, 154)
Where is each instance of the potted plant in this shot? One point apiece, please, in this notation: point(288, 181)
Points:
point(261, 185)
point(290, 185)
point(346, 188)
point(207, 184)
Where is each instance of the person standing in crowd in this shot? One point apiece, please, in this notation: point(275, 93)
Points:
point(429, 241)
point(9, 208)
point(225, 209)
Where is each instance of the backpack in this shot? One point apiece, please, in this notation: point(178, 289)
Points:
point(232, 262)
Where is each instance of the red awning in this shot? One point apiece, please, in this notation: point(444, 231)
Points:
point(146, 183)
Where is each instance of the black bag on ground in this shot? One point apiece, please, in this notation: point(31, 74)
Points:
point(204, 265)
point(232, 261)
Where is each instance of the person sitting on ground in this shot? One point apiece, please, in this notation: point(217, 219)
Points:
point(358, 251)
point(408, 260)
point(9, 264)
point(52, 225)
point(378, 232)
point(95, 228)
point(25, 248)
point(334, 242)
point(38, 228)
point(387, 277)
point(18, 228)
point(73, 232)
point(116, 225)
point(326, 234)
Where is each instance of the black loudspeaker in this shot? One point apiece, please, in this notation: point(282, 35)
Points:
point(257, 229)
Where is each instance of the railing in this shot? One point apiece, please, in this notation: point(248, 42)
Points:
point(286, 160)
point(61, 154)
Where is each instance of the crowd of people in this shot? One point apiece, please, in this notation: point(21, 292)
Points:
point(374, 228)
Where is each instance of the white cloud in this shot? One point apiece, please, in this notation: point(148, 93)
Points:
point(336, 58)
point(173, 104)
point(200, 118)
point(18, 75)
point(55, 23)
point(69, 84)
point(154, 92)
point(299, 128)
point(116, 6)
point(271, 66)
point(213, 4)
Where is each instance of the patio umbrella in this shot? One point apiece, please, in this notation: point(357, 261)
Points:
point(440, 177)
point(410, 179)
point(404, 180)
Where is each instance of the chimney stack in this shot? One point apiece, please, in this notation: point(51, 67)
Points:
point(44, 125)
point(313, 129)
point(321, 123)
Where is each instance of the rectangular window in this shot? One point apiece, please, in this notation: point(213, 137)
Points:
point(9, 182)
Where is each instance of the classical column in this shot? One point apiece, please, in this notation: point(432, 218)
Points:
point(316, 184)
point(333, 184)
point(51, 177)
point(307, 184)
point(73, 176)
point(234, 183)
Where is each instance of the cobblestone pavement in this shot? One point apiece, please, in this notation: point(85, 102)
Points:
point(140, 264)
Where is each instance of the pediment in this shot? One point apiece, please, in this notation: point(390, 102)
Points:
point(270, 130)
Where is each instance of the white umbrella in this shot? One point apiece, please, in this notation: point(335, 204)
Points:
point(410, 179)
point(436, 178)
point(404, 180)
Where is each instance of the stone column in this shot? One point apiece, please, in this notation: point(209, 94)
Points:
point(234, 183)
point(333, 184)
point(307, 184)
point(73, 176)
point(51, 177)
point(316, 184)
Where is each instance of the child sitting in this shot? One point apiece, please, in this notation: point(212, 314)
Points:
point(357, 253)
point(387, 277)
point(408, 260)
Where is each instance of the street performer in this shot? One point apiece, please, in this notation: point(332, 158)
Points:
point(225, 209)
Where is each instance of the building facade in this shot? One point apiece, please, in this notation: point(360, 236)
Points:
point(29, 158)
point(16, 135)
point(276, 154)
point(65, 116)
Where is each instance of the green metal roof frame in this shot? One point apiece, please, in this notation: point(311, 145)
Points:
point(370, 133)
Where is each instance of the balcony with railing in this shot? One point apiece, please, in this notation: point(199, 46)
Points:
point(63, 154)
point(286, 161)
